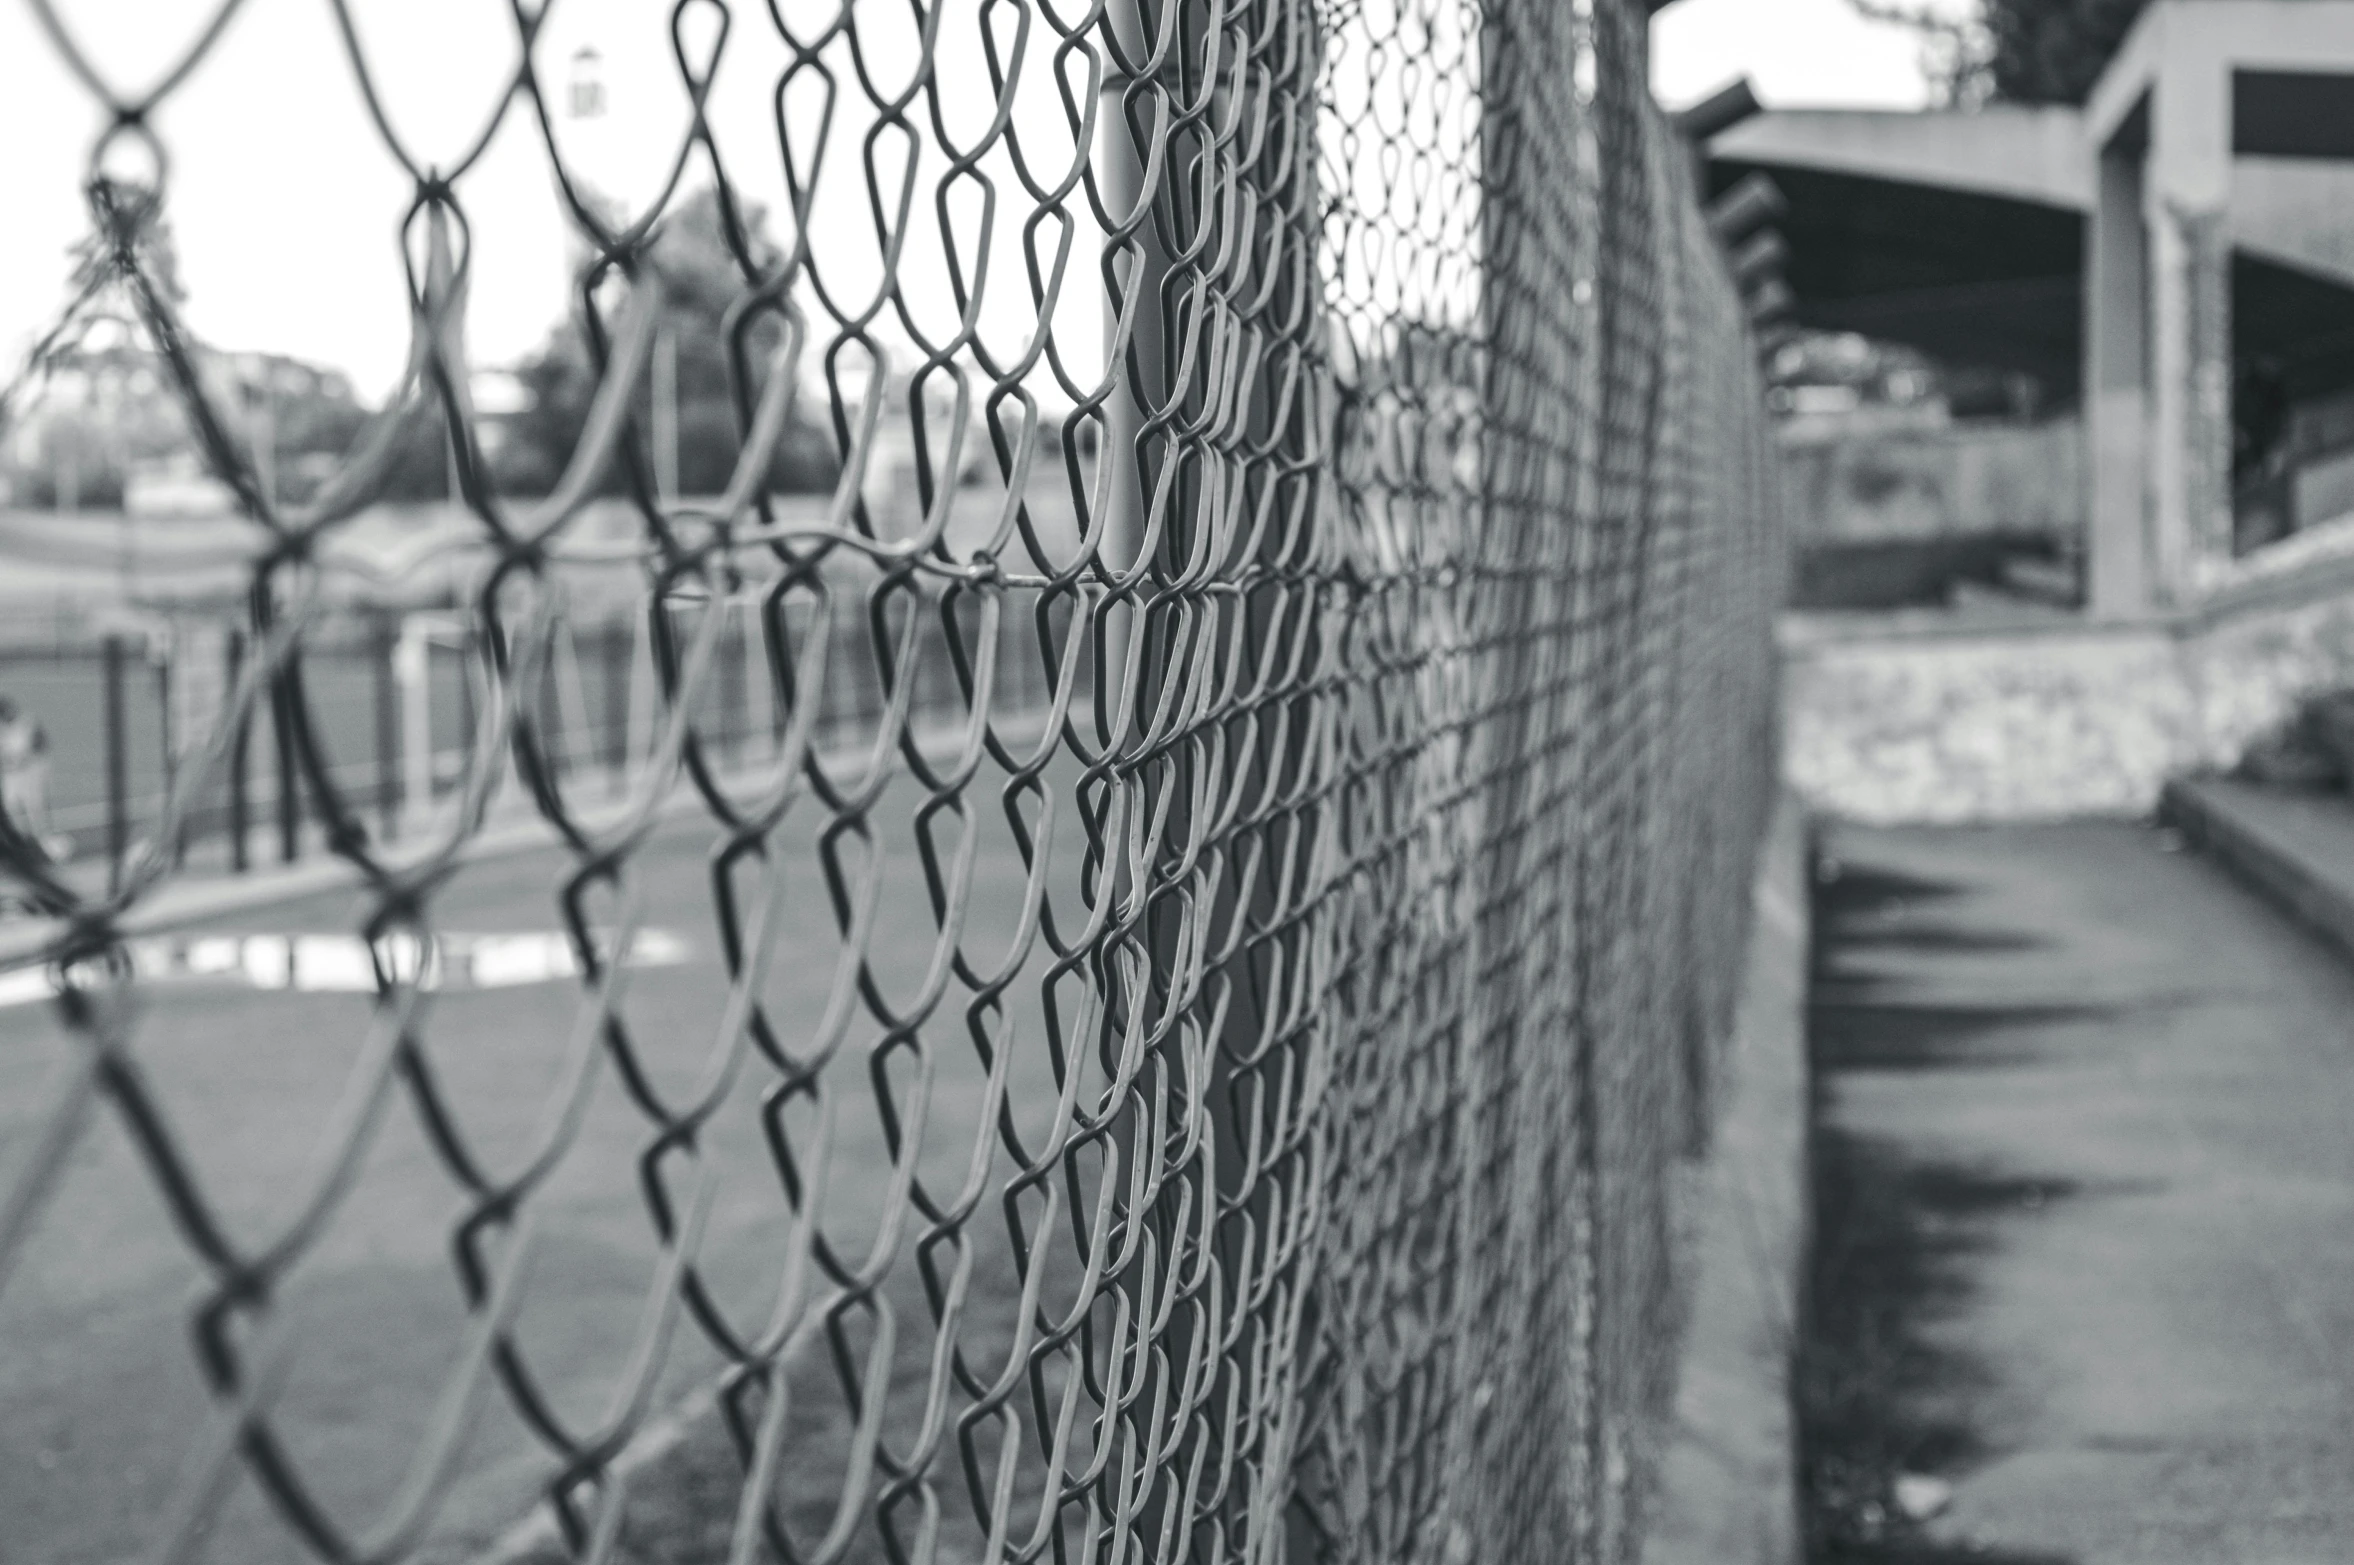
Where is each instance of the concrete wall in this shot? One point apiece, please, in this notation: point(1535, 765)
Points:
point(1929, 716)
point(1926, 718)
point(2252, 664)
point(1888, 485)
point(1728, 1479)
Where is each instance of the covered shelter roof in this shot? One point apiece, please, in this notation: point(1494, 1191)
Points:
point(1961, 233)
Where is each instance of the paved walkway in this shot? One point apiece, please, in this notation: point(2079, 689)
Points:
point(2086, 1237)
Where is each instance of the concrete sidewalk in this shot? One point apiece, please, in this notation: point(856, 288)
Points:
point(2085, 1172)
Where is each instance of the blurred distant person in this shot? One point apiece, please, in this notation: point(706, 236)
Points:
point(24, 774)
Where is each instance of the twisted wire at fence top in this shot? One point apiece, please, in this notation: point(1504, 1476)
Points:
point(1396, 592)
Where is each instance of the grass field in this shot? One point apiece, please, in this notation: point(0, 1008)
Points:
point(96, 1366)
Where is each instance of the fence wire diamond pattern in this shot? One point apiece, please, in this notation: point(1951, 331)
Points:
point(1192, 1063)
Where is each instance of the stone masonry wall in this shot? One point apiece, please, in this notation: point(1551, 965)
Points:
point(1929, 717)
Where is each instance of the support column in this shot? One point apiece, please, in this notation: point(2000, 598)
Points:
point(2116, 382)
point(2184, 201)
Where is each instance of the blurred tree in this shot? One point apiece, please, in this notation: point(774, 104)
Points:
point(109, 411)
point(2014, 51)
point(1953, 48)
point(102, 410)
point(2052, 51)
point(700, 279)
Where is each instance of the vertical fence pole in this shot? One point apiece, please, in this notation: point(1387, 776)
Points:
point(729, 730)
point(665, 409)
point(167, 684)
point(412, 666)
point(118, 782)
point(1137, 380)
point(768, 675)
point(546, 706)
point(617, 640)
point(870, 677)
point(289, 785)
point(240, 754)
point(645, 688)
point(387, 710)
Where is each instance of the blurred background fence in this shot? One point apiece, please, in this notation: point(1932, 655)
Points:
point(395, 696)
point(1143, 815)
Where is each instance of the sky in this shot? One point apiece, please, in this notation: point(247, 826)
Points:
point(285, 203)
point(1796, 53)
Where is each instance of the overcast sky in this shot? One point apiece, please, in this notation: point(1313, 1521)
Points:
point(284, 201)
point(1798, 53)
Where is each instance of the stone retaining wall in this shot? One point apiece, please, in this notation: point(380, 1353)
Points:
point(1935, 716)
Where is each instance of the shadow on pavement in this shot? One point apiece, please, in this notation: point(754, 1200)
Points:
point(1859, 1034)
point(1943, 937)
point(1869, 1021)
point(1881, 1394)
point(1844, 889)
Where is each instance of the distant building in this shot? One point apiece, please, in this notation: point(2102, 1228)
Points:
point(2173, 265)
point(2185, 241)
point(106, 428)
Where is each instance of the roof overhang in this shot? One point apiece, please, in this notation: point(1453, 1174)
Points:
point(1962, 232)
point(2035, 155)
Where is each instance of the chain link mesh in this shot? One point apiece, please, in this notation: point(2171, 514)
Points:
point(1214, 1032)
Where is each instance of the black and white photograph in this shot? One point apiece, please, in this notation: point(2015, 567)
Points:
point(1176, 782)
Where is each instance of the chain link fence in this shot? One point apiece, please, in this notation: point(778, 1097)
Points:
point(1216, 896)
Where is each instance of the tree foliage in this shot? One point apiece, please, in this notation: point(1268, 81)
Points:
point(2052, 51)
point(80, 451)
point(700, 281)
point(2013, 51)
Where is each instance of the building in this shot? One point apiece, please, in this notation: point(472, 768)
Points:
point(2175, 263)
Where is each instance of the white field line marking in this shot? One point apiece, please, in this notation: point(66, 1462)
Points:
point(344, 964)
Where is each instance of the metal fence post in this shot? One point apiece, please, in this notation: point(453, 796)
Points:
point(779, 691)
point(549, 716)
point(386, 701)
point(289, 784)
point(617, 644)
point(118, 804)
point(1128, 652)
point(729, 733)
point(168, 693)
point(240, 756)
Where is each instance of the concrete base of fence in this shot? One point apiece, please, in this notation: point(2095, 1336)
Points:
point(1728, 1482)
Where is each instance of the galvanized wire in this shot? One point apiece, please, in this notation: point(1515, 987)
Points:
point(1393, 729)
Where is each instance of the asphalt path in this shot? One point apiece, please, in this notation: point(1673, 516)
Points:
point(2086, 1226)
